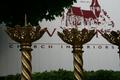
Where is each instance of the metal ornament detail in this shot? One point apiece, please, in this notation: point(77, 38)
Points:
point(25, 36)
point(113, 37)
point(77, 39)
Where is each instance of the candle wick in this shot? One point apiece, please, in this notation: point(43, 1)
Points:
point(25, 19)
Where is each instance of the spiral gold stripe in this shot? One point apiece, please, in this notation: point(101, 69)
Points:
point(25, 62)
point(26, 75)
point(77, 68)
point(78, 60)
point(78, 71)
point(26, 65)
point(26, 59)
point(27, 55)
point(77, 77)
point(78, 63)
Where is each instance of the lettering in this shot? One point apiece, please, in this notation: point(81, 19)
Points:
point(61, 46)
point(18, 46)
point(100, 47)
point(88, 47)
point(10, 45)
point(50, 46)
point(112, 47)
point(65, 46)
point(106, 47)
point(35, 46)
point(42, 46)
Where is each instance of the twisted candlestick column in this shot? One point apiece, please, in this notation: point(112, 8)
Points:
point(25, 36)
point(78, 62)
point(26, 62)
point(77, 39)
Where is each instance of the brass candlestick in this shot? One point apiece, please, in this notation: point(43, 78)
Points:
point(25, 36)
point(77, 38)
point(113, 37)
